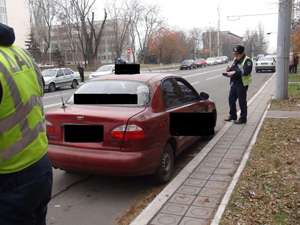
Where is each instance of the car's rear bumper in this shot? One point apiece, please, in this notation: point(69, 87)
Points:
point(104, 161)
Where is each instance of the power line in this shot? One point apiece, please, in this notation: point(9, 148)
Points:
point(237, 17)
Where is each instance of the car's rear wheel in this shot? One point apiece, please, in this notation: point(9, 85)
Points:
point(166, 165)
point(52, 87)
point(74, 84)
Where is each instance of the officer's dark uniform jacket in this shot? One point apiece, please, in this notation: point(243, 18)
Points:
point(247, 68)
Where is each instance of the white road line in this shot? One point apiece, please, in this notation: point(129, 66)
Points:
point(197, 74)
point(214, 77)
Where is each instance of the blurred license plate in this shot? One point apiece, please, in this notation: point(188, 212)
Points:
point(83, 133)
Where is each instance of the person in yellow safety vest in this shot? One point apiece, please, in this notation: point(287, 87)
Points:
point(25, 171)
point(240, 78)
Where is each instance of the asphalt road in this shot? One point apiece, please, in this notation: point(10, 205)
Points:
point(98, 200)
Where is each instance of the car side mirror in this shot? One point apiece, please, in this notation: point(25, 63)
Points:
point(204, 96)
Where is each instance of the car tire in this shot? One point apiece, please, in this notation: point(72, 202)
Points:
point(52, 87)
point(257, 71)
point(166, 166)
point(74, 84)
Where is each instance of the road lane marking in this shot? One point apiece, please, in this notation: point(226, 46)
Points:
point(214, 77)
point(197, 74)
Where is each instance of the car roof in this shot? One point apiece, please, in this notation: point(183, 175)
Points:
point(143, 77)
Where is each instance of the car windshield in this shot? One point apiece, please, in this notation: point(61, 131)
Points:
point(211, 59)
point(109, 89)
point(105, 68)
point(49, 73)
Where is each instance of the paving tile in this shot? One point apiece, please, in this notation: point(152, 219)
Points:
point(212, 192)
point(195, 182)
point(190, 190)
point(174, 209)
point(200, 212)
point(204, 169)
point(224, 171)
point(205, 201)
point(200, 175)
point(216, 177)
point(194, 221)
point(220, 150)
point(216, 154)
point(233, 155)
point(217, 184)
point(182, 199)
point(166, 219)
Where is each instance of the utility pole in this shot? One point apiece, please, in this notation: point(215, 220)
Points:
point(210, 46)
point(283, 48)
point(219, 22)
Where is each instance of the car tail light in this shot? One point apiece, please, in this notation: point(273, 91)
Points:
point(211, 107)
point(129, 132)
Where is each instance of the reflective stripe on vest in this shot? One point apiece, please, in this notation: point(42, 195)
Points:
point(22, 110)
point(246, 78)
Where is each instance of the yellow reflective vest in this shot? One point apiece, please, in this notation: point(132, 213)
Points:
point(246, 78)
point(23, 139)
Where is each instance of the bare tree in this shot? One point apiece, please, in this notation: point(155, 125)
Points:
point(43, 13)
point(148, 23)
point(89, 34)
point(122, 15)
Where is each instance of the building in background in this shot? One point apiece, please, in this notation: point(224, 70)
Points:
point(227, 41)
point(68, 45)
point(15, 13)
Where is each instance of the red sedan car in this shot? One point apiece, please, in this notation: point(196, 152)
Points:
point(120, 125)
point(200, 63)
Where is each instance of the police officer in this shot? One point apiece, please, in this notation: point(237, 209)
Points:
point(240, 78)
point(25, 171)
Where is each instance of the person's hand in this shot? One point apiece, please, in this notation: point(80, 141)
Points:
point(231, 73)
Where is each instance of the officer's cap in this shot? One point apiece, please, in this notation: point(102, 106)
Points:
point(239, 49)
point(7, 35)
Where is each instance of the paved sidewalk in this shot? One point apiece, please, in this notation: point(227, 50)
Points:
point(197, 198)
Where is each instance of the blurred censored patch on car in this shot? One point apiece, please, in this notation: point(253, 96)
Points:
point(109, 99)
point(83, 133)
point(192, 123)
point(127, 69)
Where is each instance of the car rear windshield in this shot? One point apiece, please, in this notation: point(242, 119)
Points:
point(112, 92)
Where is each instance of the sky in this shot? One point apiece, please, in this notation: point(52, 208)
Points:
point(188, 14)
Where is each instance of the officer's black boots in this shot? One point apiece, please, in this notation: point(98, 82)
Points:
point(230, 119)
point(240, 121)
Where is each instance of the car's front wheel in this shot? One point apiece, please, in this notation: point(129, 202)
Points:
point(166, 165)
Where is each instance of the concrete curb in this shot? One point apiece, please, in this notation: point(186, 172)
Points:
point(150, 211)
point(218, 216)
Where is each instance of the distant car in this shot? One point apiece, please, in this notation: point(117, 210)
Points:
point(211, 61)
point(225, 59)
point(188, 64)
point(122, 139)
point(265, 64)
point(103, 70)
point(220, 60)
point(200, 63)
point(60, 77)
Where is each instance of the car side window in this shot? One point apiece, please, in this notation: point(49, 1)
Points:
point(188, 93)
point(68, 71)
point(171, 93)
point(60, 73)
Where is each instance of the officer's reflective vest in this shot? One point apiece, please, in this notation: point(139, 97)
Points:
point(23, 139)
point(246, 78)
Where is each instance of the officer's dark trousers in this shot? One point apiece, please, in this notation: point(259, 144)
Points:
point(24, 195)
point(238, 92)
